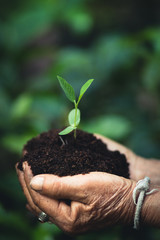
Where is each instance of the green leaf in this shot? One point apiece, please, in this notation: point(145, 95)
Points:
point(67, 130)
point(112, 126)
point(67, 88)
point(71, 117)
point(15, 142)
point(84, 88)
point(21, 106)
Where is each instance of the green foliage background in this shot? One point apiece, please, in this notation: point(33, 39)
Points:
point(115, 42)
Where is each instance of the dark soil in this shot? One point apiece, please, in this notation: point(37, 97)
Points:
point(48, 154)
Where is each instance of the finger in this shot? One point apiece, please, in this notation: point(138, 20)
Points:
point(29, 208)
point(22, 183)
point(75, 188)
point(20, 174)
point(57, 210)
point(69, 187)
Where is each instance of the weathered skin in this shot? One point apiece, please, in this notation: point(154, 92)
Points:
point(97, 199)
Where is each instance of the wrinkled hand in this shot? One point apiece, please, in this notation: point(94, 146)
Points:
point(88, 202)
point(97, 200)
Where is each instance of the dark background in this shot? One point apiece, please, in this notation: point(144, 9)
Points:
point(115, 42)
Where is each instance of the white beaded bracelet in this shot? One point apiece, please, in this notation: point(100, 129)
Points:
point(142, 187)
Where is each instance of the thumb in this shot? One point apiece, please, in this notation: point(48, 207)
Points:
point(68, 187)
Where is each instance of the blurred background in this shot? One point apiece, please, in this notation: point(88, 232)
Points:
point(115, 42)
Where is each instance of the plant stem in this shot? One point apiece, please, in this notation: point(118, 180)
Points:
point(75, 119)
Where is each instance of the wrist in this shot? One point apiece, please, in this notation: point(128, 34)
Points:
point(150, 214)
point(128, 205)
point(147, 167)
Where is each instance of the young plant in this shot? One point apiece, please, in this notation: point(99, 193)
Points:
point(74, 115)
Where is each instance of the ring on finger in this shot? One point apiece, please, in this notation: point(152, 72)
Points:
point(43, 217)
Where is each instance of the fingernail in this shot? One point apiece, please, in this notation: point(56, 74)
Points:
point(37, 183)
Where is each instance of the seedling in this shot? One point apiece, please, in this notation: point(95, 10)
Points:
point(75, 114)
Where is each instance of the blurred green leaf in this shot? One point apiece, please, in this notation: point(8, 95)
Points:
point(151, 74)
point(112, 126)
point(79, 21)
point(15, 143)
point(13, 220)
point(26, 24)
point(5, 103)
point(115, 51)
point(11, 186)
point(153, 35)
point(21, 106)
point(46, 232)
point(74, 60)
point(47, 107)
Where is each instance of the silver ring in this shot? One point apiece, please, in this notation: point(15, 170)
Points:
point(43, 217)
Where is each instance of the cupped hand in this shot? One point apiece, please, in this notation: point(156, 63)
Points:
point(91, 201)
point(79, 203)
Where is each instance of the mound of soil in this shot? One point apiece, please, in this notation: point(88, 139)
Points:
point(62, 156)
